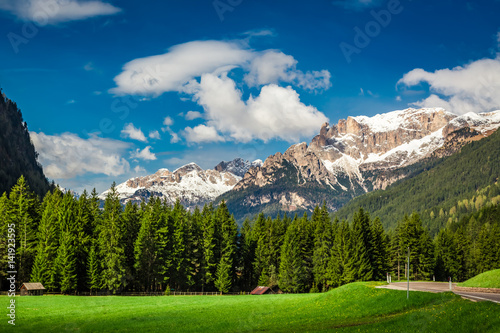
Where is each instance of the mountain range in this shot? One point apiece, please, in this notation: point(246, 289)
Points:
point(355, 156)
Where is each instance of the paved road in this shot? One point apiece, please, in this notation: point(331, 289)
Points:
point(438, 287)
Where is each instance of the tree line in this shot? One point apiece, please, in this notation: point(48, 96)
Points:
point(74, 244)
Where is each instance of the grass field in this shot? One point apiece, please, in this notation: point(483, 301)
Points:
point(489, 279)
point(357, 307)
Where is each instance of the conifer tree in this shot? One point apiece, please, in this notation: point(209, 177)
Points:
point(361, 242)
point(379, 246)
point(44, 267)
point(209, 259)
point(292, 272)
point(23, 212)
point(110, 243)
point(93, 269)
point(226, 267)
point(323, 241)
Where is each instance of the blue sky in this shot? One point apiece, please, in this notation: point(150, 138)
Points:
point(115, 89)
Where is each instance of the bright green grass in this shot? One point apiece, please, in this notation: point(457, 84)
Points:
point(354, 307)
point(489, 279)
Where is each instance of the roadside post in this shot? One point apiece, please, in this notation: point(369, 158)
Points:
point(408, 275)
point(449, 279)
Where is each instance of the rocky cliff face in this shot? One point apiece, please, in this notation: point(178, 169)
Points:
point(357, 155)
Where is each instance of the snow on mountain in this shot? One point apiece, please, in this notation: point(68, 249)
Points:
point(361, 153)
point(237, 166)
point(192, 185)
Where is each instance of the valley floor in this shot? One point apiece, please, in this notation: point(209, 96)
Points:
point(354, 307)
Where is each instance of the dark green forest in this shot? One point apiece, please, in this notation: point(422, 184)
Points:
point(17, 153)
point(71, 245)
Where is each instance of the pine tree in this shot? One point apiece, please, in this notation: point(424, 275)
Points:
point(361, 242)
point(209, 263)
point(323, 242)
point(110, 243)
point(226, 267)
point(131, 226)
point(379, 246)
point(292, 272)
point(93, 269)
point(44, 267)
point(23, 212)
point(67, 262)
point(146, 248)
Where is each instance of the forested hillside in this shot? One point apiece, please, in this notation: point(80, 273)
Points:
point(71, 245)
point(17, 153)
point(454, 186)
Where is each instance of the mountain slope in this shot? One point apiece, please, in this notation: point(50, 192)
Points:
point(192, 185)
point(17, 153)
point(438, 187)
point(358, 155)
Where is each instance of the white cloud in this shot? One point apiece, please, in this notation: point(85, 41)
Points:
point(144, 154)
point(274, 66)
point(154, 135)
point(130, 131)
point(470, 88)
point(357, 4)
point(276, 113)
point(174, 137)
point(202, 133)
point(175, 70)
point(56, 11)
point(200, 69)
point(191, 115)
point(168, 121)
point(139, 169)
point(171, 71)
point(67, 155)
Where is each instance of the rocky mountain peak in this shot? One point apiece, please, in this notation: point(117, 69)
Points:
point(361, 153)
point(237, 167)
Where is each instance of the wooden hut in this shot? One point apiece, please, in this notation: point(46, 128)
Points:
point(32, 289)
point(260, 290)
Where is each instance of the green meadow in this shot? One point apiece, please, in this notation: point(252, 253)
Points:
point(357, 307)
point(489, 279)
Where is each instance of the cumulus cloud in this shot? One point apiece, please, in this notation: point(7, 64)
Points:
point(154, 135)
point(158, 74)
point(67, 155)
point(175, 70)
point(191, 115)
point(139, 169)
point(144, 154)
point(130, 131)
point(168, 121)
point(470, 88)
point(276, 113)
point(357, 4)
point(200, 69)
point(202, 133)
point(57, 11)
point(274, 67)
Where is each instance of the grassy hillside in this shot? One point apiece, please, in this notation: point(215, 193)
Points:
point(452, 180)
point(490, 279)
point(354, 307)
